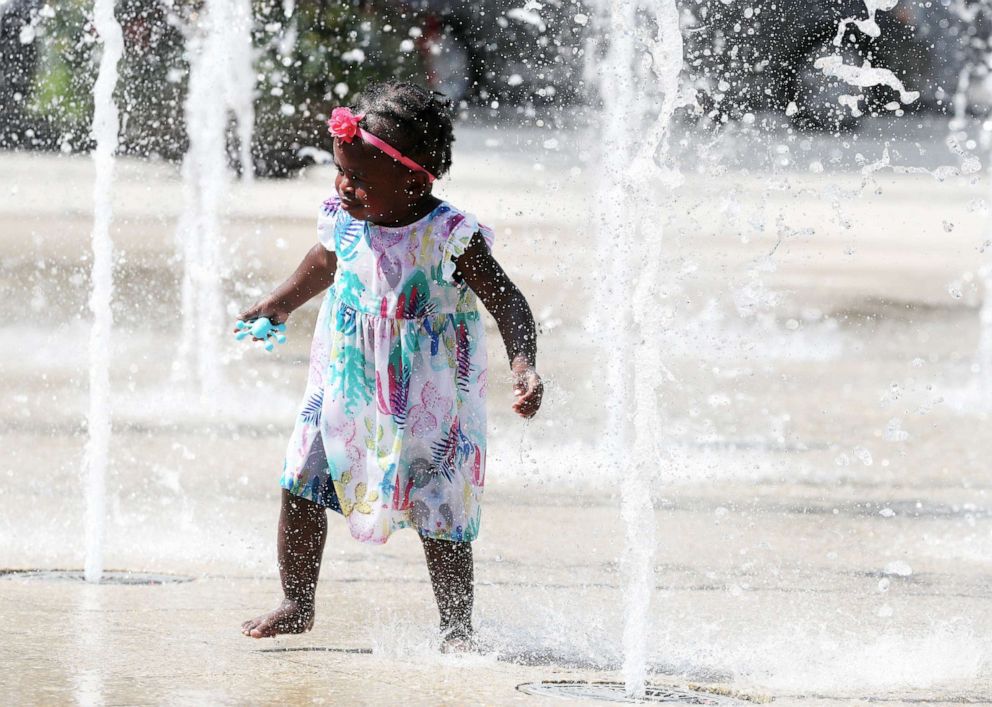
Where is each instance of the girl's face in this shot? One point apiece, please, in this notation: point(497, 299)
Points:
point(374, 187)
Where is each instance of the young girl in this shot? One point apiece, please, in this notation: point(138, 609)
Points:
point(392, 430)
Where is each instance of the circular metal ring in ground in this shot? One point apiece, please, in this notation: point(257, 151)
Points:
point(119, 577)
point(615, 692)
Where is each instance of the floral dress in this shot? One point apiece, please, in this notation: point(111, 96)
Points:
point(392, 429)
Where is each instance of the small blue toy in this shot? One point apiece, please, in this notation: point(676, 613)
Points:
point(262, 329)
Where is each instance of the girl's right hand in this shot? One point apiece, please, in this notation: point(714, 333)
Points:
point(265, 308)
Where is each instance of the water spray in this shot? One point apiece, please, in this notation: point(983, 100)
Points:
point(106, 127)
point(639, 85)
point(221, 87)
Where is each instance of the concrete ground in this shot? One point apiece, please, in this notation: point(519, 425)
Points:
point(822, 495)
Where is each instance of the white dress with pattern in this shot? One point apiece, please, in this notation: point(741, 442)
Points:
point(392, 429)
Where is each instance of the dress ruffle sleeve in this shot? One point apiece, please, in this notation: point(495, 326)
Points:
point(463, 227)
point(326, 220)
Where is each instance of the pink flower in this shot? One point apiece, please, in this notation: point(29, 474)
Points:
point(344, 124)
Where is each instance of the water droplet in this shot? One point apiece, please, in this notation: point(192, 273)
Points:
point(898, 568)
point(894, 432)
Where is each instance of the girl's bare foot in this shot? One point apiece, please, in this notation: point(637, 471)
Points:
point(457, 644)
point(288, 617)
point(458, 639)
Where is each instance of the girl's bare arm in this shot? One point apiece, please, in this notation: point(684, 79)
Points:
point(477, 267)
point(313, 275)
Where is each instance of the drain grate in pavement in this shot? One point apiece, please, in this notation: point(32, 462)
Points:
point(317, 649)
point(121, 577)
point(614, 692)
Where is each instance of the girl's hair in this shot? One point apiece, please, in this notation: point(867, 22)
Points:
point(415, 121)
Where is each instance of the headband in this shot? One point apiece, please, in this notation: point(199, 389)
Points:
point(344, 126)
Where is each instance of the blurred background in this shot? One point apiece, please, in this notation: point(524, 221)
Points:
point(495, 58)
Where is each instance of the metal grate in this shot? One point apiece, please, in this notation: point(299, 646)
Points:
point(615, 692)
point(120, 577)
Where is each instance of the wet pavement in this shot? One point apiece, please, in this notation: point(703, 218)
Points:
point(823, 496)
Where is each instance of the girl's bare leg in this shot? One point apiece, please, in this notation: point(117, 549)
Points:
point(302, 532)
point(452, 576)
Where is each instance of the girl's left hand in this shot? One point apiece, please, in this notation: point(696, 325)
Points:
point(528, 388)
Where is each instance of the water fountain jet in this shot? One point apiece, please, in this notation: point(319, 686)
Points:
point(106, 127)
point(221, 87)
point(630, 216)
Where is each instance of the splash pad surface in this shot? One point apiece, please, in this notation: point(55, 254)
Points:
point(823, 536)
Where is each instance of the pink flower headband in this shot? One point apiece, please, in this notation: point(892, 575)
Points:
point(344, 126)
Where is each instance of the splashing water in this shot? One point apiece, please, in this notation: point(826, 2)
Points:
point(644, 57)
point(866, 75)
point(106, 126)
point(983, 357)
point(869, 26)
point(983, 354)
point(221, 85)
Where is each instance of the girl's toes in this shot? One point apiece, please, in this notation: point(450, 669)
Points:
point(250, 625)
